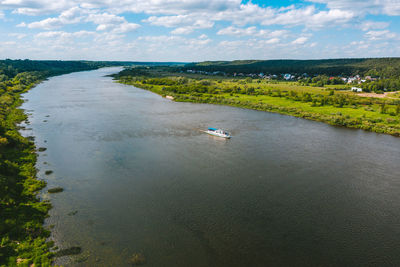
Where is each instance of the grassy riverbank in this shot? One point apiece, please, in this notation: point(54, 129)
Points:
point(22, 214)
point(23, 237)
point(331, 104)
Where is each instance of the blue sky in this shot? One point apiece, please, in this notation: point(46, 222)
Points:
point(198, 30)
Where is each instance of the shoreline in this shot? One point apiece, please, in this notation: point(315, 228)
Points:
point(332, 119)
point(24, 236)
point(27, 233)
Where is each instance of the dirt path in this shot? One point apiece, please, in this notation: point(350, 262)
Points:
point(384, 95)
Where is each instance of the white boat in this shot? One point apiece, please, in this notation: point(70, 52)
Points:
point(218, 132)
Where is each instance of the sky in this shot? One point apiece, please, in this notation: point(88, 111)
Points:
point(198, 30)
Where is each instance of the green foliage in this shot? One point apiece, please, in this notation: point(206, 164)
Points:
point(381, 85)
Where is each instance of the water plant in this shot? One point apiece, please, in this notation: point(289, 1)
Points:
point(137, 259)
point(55, 190)
point(68, 251)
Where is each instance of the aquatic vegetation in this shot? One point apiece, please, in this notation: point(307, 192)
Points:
point(55, 190)
point(48, 172)
point(68, 251)
point(41, 149)
point(81, 259)
point(72, 213)
point(137, 259)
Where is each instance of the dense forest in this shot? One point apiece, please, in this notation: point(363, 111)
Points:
point(376, 67)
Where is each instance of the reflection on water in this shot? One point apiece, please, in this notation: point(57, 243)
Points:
point(140, 177)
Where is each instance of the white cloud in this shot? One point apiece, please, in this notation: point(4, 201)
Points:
point(62, 39)
point(170, 21)
point(47, 24)
point(36, 7)
point(380, 35)
point(105, 21)
point(300, 40)
point(387, 7)
point(252, 31)
point(272, 41)
point(17, 35)
point(279, 33)
point(371, 25)
point(360, 44)
point(125, 27)
point(310, 17)
point(203, 36)
point(62, 34)
point(8, 43)
point(175, 7)
point(182, 30)
point(111, 22)
point(185, 23)
point(198, 14)
point(70, 16)
point(22, 24)
point(246, 14)
point(231, 30)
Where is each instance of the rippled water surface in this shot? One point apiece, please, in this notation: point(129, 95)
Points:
point(140, 177)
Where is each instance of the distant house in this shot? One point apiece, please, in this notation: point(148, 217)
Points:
point(287, 76)
point(351, 79)
point(356, 89)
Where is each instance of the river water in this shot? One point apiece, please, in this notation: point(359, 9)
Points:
point(140, 177)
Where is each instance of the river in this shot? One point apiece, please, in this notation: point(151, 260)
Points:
point(140, 177)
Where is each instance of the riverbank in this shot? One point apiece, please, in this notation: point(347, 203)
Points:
point(335, 107)
point(24, 240)
point(22, 213)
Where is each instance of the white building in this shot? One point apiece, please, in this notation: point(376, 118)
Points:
point(356, 89)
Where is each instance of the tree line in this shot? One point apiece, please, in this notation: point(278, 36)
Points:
point(377, 67)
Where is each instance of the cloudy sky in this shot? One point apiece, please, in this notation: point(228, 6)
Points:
point(198, 30)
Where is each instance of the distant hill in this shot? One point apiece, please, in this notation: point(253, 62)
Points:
point(383, 67)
